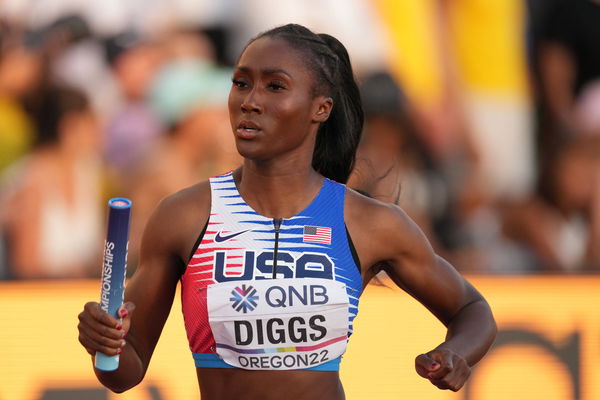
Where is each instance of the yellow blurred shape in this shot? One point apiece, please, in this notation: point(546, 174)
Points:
point(39, 348)
point(486, 37)
point(489, 43)
point(413, 55)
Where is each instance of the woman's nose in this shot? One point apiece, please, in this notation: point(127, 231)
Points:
point(250, 103)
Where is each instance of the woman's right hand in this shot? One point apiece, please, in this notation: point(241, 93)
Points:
point(98, 331)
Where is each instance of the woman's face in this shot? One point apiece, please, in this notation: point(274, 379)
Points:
point(272, 107)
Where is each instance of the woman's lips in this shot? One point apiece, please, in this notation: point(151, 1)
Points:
point(245, 133)
point(247, 130)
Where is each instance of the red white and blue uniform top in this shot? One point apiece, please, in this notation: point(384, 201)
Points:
point(242, 311)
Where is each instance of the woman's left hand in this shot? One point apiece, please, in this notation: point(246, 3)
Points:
point(444, 368)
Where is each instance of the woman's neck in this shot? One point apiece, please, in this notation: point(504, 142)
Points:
point(277, 192)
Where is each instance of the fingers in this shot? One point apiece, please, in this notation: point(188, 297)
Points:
point(126, 309)
point(444, 369)
point(425, 365)
point(125, 312)
point(93, 342)
point(93, 310)
point(99, 331)
point(446, 364)
point(454, 381)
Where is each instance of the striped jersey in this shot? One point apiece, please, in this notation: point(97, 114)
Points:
point(243, 310)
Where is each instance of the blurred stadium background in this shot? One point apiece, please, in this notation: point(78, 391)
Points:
point(483, 123)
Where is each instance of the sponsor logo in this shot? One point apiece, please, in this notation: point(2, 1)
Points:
point(243, 298)
point(295, 324)
point(220, 238)
point(310, 295)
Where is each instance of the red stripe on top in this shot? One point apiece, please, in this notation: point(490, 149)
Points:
point(198, 260)
point(207, 250)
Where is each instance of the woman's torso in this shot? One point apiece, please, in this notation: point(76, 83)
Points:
point(227, 253)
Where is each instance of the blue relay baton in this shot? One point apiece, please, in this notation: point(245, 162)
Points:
point(114, 269)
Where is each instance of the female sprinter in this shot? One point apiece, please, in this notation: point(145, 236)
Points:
point(273, 257)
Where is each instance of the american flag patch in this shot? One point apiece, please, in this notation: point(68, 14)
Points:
point(316, 234)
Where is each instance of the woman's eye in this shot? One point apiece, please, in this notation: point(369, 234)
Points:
point(275, 86)
point(239, 83)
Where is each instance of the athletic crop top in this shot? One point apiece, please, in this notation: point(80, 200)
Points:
point(240, 313)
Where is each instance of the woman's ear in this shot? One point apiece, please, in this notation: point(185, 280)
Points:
point(324, 107)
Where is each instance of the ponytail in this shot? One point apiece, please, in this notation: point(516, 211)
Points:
point(339, 136)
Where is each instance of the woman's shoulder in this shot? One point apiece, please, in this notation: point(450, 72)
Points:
point(179, 217)
point(361, 208)
point(371, 218)
point(193, 199)
point(379, 230)
point(188, 205)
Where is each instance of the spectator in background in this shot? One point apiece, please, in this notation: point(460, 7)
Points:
point(560, 226)
point(76, 58)
point(188, 151)
point(557, 228)
point(189, 94)
point(135, 127)
point(569, 68)
point(49, 202)
point(466, 79)
point(20, 70)
point(392, 164)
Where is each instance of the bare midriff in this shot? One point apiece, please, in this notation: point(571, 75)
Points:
point(236, 384)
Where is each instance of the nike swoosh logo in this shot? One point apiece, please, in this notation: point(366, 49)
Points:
point(219, 238)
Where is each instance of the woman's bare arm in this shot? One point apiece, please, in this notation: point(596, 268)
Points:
point(167, 241)
point(387, 239)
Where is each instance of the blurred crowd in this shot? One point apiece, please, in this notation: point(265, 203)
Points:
point(131, 100)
